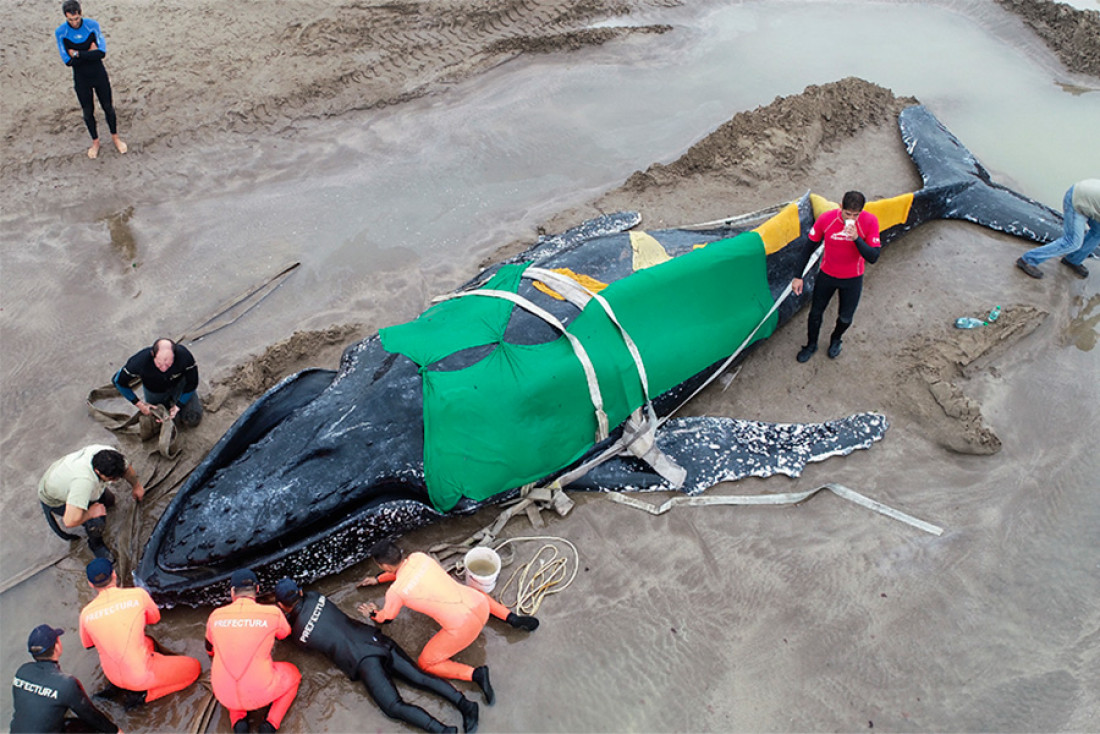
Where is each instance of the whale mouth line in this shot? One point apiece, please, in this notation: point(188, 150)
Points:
point(375, 499)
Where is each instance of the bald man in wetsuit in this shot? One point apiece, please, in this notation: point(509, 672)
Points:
point(168, 376)
point(421, 584)
point(363, 653)
point(82, 47)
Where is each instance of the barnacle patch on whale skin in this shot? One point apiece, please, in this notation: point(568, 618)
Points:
point(717, 449)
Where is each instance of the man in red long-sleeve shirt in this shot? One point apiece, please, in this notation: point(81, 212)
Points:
point(851, 237)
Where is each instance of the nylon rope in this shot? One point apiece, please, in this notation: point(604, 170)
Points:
point(534, 584)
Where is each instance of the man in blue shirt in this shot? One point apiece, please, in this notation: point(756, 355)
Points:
point(82, 47)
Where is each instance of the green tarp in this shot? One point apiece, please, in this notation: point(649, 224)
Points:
point(524, 412)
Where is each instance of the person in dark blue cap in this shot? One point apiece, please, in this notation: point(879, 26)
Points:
point(362, 652)
point(115, 624)
point(43, 695)
point(240, 636)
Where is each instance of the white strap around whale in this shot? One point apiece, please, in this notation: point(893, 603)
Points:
point(639, 436)
point(581, 353)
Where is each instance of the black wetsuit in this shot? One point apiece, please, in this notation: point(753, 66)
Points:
point(850, 290)
point(362, 652)
point(43, 694)
point(177, 385)
point(89, 73)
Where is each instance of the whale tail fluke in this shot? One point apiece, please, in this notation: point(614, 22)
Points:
point(958, 186)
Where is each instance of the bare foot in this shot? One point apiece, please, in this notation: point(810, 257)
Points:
point(121, 146)
point(93, 152)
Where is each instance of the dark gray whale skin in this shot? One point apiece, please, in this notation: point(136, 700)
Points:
point(326, 462)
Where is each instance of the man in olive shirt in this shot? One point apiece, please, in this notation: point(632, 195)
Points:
point(74, 488)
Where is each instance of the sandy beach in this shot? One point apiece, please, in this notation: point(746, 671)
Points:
point(820, 617)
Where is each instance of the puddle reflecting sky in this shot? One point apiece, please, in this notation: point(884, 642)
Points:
point(473, 166)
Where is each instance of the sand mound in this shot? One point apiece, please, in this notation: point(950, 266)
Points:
point(782, 139)
point(1071, 33)
point(303, 349)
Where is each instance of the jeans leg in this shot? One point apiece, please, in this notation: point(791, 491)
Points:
point(1091, 240)
point(158, 398)
point(190, 414)
point(1073, 233)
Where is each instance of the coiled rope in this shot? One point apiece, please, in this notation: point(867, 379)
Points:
point(546, 573)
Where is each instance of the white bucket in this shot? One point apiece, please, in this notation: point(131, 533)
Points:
point(482, 568)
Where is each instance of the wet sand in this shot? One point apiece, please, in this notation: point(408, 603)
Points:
point(818, 617)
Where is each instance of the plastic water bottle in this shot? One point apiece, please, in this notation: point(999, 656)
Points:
point(968, 322)
point(993, 315)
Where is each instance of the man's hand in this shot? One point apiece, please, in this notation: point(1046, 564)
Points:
point(144, 407)
point(173, 412)
point(368, 581)
point(97, 509)
point(136, 488)
point(796, 286)
point(368, 609)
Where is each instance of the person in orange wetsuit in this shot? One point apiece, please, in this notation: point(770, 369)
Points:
point(240, 636)
point(114, 623)
point(421, 584)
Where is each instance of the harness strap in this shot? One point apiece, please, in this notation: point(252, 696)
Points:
point(639, 437)
point(578, 349)
point(789, 498)
point(166, 434)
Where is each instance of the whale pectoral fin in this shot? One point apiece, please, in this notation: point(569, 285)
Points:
point(713, 450)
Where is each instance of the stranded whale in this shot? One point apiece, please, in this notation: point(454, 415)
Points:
point(563, 363)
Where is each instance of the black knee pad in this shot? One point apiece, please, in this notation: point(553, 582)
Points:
point(95, 527)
